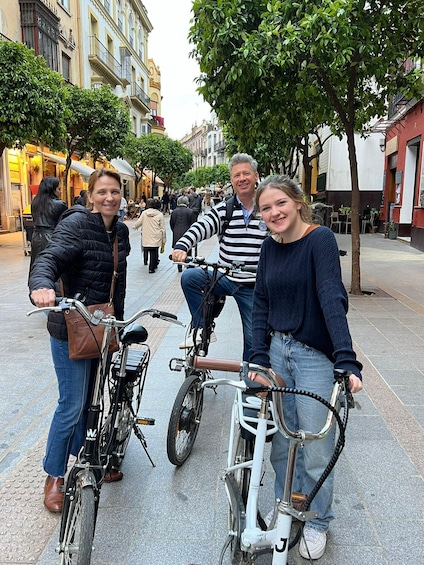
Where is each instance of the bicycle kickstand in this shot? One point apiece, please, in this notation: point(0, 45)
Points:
point(140, 436)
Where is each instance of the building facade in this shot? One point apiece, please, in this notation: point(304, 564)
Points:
point(207, 143)
point(157, 121)
point(403, 198)
point(90, 42)
point(331, 179)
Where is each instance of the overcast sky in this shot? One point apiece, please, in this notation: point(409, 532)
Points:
point(182, 106)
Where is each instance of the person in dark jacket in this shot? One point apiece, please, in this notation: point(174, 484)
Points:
point(195, 201)
point(46, 209)
point(181, 219)
point(81, 199)
point(80, 253)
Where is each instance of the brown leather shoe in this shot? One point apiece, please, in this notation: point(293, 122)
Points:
point(113, 476)
point(54, 494)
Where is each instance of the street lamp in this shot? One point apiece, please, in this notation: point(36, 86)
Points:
point(382, 144)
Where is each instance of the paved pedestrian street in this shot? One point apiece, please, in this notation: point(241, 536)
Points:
point(166, 516)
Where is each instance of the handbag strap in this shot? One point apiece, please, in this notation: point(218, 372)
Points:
point(114, 274)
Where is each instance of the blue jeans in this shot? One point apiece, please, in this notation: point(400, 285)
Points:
point(67, 430)
point(308, 369)
point(193, 282)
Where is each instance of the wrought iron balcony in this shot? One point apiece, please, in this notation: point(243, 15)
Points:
point(103, 62)
point(139, 97)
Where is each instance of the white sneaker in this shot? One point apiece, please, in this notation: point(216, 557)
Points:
point(314, 541)
point(190, 343)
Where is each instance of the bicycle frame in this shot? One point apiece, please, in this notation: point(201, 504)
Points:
point(268, 421)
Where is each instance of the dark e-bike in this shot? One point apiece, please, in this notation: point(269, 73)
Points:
point(108, 431)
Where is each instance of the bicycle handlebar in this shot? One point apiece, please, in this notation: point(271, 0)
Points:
point(201, 262)
point(276, 388)
point(97, 317)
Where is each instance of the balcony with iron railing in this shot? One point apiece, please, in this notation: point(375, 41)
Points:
point(220, 146)
point(157, 121)
point(103, 62)
point(139, 97)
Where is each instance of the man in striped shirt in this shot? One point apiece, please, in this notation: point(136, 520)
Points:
point(241, 238)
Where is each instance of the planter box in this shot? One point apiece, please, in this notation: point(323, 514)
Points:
point(393, 234)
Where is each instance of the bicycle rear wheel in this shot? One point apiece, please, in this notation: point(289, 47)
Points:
point(118, 425)
point(185, 420)
point(79, 524)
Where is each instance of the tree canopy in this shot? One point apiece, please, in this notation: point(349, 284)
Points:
point(295, 65)
point(31, 99)
point(96, 122)
point(165, 157)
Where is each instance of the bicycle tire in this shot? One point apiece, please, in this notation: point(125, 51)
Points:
point(77, 543)
point(243, 451)
point(185, 420)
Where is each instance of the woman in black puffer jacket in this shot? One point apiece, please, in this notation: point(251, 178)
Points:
point(80, 253)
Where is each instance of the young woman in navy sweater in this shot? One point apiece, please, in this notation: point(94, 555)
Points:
point(301, 331)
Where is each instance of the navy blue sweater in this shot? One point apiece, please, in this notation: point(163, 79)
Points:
point(299, 290)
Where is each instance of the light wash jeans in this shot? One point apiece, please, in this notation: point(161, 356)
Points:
point(305, 368)
point(67, 430)
point(193, 282)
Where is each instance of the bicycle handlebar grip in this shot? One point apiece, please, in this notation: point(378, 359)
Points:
point(217, 364)
point(161, 313)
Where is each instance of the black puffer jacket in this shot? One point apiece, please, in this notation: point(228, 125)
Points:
point(81, 254)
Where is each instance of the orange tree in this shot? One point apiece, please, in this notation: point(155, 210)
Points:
point(31, 98)
point(308, 62)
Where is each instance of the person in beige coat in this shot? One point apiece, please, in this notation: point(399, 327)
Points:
point(153, 232)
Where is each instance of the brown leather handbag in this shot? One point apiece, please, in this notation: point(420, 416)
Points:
point(85, 339)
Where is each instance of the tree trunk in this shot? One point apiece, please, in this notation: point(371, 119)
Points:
point(307, 168)
point(356, 244)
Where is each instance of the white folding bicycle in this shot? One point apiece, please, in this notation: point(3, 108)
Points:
point(257, 414)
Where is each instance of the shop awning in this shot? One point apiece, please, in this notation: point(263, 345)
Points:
point(123, 168)
point(149, 175)
point(84, 170)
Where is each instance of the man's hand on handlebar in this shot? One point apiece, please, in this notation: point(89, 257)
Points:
point(43, 297)
point(179, 256)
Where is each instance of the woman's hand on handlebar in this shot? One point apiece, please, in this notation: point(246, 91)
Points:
point(355, 383)
point(43, 297)
point(258, 378)
point(179, 256)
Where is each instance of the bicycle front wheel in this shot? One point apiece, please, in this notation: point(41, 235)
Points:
point(185, 420)
point(238, 489)
point(78, 533)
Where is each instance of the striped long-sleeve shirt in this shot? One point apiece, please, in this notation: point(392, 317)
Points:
point(240, 242)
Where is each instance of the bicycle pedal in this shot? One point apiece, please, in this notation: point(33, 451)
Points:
point(176, 364)
point(145, 421)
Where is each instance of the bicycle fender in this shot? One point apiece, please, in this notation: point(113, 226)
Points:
point(87, 479)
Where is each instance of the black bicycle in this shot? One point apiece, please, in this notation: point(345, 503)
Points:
point(106, 437)
point(187, 410)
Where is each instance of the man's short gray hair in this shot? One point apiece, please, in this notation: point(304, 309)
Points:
point(243, 158)
point(182, 201)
